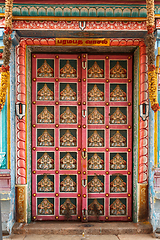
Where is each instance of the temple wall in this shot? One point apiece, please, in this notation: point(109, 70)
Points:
point(16, 167)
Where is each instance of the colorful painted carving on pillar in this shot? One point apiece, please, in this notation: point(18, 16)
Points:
point(6, 52)
point(152, 78)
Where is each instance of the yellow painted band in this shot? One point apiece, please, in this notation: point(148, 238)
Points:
point(50, 18)
point(155, 139)
point(8, 124)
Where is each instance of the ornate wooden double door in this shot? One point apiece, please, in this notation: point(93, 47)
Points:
point(82, 137)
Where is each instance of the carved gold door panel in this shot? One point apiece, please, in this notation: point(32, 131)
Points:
point(81, 137)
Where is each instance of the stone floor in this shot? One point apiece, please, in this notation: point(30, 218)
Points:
point(77, 228)
point(81, 231)
point(80, 237)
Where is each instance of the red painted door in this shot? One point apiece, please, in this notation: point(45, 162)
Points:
point(82, 137)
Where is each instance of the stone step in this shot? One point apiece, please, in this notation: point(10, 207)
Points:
point(78, 228)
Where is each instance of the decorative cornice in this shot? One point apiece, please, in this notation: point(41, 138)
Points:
point(80, 10)
point(74, 25)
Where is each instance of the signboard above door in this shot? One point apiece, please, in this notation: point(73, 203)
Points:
point(82, 42)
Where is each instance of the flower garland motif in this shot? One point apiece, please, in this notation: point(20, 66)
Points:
point(6, 52)
point(152, 77)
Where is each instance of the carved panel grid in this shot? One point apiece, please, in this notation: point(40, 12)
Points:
point(82, 138)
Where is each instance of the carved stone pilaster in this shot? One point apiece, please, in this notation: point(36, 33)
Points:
point(21, 203)
point(142, 202)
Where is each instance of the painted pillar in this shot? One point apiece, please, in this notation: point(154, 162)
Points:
point(21, 156)
point(154, 170)
point(143, 140)
point(3, 124)
point(7, 145)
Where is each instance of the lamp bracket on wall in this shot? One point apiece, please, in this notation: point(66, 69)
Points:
point(20, 110)
point(144, 111)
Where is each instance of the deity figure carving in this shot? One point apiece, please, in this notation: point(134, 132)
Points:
point(45, 70)
point(95, 185)
point(45, 94)
point(45, 139)
point(45, 162)
point(117, 185)
point(95, 163)
point(68, 162)
point(67, 94)
point(95, 71)
point(68, 140)
point(118, 71)
point(99, 208)
point(95, 94)
point(117, 163)
point(118, 94)
point(45, 207)
point(45, 116)
point(118, 140)
point(117, 208)
point(95, 117)
point(68, 71)
point(68, 116)
point(68, 185)
point(118, 117)
point(45, 185)
point(95, 140)
point(68, 205)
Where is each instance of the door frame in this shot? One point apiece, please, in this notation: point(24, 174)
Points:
point(136, 123)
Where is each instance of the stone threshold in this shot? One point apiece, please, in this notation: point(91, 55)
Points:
point(78, 228)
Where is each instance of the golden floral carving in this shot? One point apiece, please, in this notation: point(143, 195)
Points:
point(45, 185)
point(45, 94)
point(95, 163)
point(68, 162)
point(45, 207)
point(95, 185)
point(95, 71)
point(95, 94)
point(45, 116)
point(45, 70)
point(68, 206)
point(45, 139)
point(117, 163)
point(118, 140)
point(45, 162)
point(117, 208)
point(94, 207)
point(95, 117)
point(118, 71)
point(118, 185)
point(95, 140)
point(68, 116)
point(68, 140)
point(67, 94)
point(152, 85)
point(3, 87)
point(68, 185)
point(68, 71)
point(118, 117)
point(118, 94)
